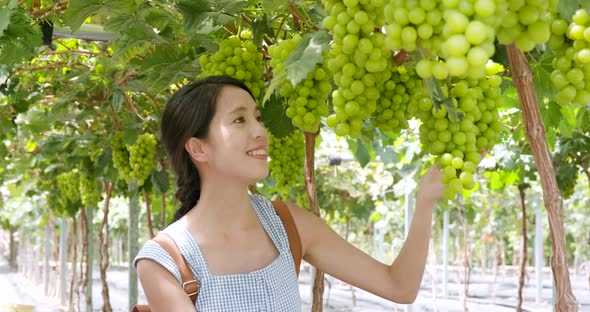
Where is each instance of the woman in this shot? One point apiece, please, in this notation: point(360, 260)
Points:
point(233, 241)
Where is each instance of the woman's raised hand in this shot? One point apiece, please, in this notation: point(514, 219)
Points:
point(430, 187)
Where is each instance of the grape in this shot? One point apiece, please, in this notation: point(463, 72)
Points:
point(141, 157)
point(458, 144)
point(68, 185)
point(306, 102)
point(571, 56)
point(360, 64)
point(121, 157)
point(89, 191)
point(237, 58)
point(287, 158)
point(526, 25)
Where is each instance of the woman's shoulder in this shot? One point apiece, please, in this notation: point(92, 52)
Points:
point(152, 250)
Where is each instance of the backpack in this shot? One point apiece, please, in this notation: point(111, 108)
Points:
point(191, 285)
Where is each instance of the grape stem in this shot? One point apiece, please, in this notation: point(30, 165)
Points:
point(401, 57)
point(298, 16)
point(132, 107)
point(279, 29)
point(512, 129)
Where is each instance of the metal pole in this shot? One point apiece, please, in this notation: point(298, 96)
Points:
point(409, 200)
point(90, 237)
point(446, 253)
point(62, 257)
point(46, 258)
point(539, 252)
point(133, 241)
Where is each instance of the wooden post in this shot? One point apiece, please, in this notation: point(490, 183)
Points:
point(318, 283)
point(522, 77)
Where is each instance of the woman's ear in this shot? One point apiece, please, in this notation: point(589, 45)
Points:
point(196, 149)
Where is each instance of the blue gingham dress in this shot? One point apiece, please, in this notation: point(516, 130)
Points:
point(273, 288)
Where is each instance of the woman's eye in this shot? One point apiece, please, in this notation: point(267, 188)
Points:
point(239, 120)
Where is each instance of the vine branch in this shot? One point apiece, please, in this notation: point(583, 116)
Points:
point(295, 11)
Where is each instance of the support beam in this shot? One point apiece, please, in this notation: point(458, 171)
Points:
point(63, 228)
point(90, 237)
point(446, 254)
point(538, 252)
point(89, 32)
point(409, 204)
point(133, 241)
point(47, 254)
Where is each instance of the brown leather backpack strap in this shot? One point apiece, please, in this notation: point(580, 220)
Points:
point(189, 283)
point(292, 234)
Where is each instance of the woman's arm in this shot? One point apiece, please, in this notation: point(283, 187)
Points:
point(400, 281)
point(161, 288)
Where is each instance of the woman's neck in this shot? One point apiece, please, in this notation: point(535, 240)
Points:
point(222, 207)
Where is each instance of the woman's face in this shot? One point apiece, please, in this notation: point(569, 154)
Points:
point(237, 144)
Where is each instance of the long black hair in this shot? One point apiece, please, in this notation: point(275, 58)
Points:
point(188, 114)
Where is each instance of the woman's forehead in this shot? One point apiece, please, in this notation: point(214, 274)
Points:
point(234, 98)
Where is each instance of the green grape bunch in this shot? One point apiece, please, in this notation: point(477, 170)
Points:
point(455, 37)
point(141, 157)
point(526, 23)
point(306, 101)
point(458, 144)
point(89, 191)
point(358, 60)
point(398, 101)
point(68, 184)
point(236, 58)
point(571, 47)
point(287, 158)
point(121, 156)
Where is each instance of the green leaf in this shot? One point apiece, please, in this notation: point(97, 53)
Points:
point(569, 115)
point(510, 98)
point(542, 77)
point(275, 120)
point(432, 85)
point(551, 114)
point(205, 41)
point(275, 83)
point(161, 181)
point(12, 4)
point(118, 100)
point(271, 6)
point(387, 155)
point(4, 19)
point(231, 7)
point(80, 10)
point(567, 9)
point(361, 154)
point(262, 26)
point(567, 124)
point(131, 26)
point(194, 13)
point(306, 55)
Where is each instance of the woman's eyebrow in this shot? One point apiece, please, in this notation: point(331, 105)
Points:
point(240, 109)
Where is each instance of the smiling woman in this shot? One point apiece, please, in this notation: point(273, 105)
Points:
point(214, 136)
